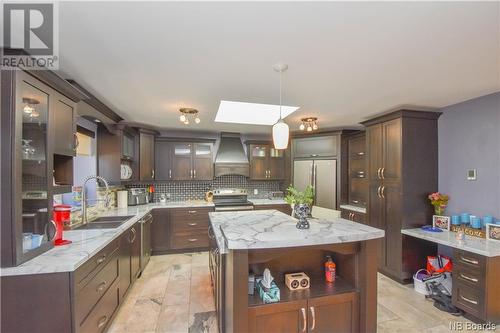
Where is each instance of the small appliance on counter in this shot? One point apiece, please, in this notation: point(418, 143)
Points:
point(62, 215)
point(137, 196)
point(122, 199)
point(162, 198)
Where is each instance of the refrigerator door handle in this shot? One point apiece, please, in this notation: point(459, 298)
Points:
point(311, 175)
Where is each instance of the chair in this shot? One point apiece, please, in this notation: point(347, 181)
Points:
point(324, 213)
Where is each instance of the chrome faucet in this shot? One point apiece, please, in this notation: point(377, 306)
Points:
point(84, 195)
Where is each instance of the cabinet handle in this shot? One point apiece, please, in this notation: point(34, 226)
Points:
point(101, 259)
point(382, 172)
point(152, 173)
point(194, 173)
point(314, 155)
point(378, 173)
point(191, 211)
point(101, 286)
point(170, 173)
point(469, 278)
point(304, 320)
point(102, 321)
point(378, 191)
point(468, 300)
point(190, 173)
point(192, 240)
point(210, 233)
point(192, 224)
point(76, 143)
point(133, 234)
point(313, 314)
point(470, 261)
point(361, 153)
point(382, 190)
point(355, 201)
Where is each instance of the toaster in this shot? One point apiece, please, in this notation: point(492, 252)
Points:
point(137, 196)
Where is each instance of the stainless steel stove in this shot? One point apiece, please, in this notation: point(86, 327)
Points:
point(231, 199)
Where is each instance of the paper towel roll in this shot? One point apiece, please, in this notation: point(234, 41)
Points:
point(122, 199)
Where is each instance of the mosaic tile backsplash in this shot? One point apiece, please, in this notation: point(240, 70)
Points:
point(195, 189)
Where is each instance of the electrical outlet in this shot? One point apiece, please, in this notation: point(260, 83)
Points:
point(255, 191)
point(471, 174)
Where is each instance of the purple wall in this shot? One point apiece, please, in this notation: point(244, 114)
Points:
point(469, 138)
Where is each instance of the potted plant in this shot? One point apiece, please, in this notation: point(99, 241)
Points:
point(301, 204)
point(439, 201)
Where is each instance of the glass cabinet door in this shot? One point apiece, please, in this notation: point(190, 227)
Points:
point(181, 161)
point(31, 137)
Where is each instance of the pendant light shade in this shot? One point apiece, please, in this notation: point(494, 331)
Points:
point(281, 133)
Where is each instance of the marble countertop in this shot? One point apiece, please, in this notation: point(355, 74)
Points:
point(354, 208)
point(268, 201)
point(488, 248)
point(87, 243)
point(272, 229)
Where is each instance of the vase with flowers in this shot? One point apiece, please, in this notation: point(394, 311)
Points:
point(439, 201)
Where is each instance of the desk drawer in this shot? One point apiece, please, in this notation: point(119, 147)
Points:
point(467, 276)
point(190, 214)
point(469, 259)
point(90, 294)
point(469, 299)
point(189, 225)
point(85, 272)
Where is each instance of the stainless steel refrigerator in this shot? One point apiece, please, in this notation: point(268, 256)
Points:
point(320, 174)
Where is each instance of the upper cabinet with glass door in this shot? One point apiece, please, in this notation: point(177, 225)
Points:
point(266, 162)
point(31, 181)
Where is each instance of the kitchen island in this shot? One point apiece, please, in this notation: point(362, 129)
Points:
point(244, 243)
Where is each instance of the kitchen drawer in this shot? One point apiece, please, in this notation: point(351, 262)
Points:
point(357, 167)
point(357, 147)
point(469, 299)
point(99, 318)
point(469, 259)
point(88, 296)
point(188, 225)
point(190, 240)
point(467, 276)
point(85, 272)
point(191, 214)
point(353, 216)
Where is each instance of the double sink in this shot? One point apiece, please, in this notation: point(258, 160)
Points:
point(105, 222)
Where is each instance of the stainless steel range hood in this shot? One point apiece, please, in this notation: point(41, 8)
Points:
point(231, 158)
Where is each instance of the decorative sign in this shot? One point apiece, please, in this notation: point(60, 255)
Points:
point(493, 231)
point(469, 231)
point(441, 222)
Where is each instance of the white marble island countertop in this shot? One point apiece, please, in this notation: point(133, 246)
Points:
point(86, 243)
point(488, 248)
point(264, 229)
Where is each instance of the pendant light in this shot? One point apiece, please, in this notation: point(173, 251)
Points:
point(281, 132)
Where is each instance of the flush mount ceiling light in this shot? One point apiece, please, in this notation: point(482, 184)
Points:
point(251, 113)
point(309, 124)
point(187, 113)
point(281, 132)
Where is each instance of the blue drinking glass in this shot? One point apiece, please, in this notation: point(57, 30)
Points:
point(455, 219)
point(487, 219)
point(476, 223)
point(465, 218)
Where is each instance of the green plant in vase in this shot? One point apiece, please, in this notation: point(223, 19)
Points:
point(301, 204)
point(439, 201)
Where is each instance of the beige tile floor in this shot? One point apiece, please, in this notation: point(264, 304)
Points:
point(174, 295)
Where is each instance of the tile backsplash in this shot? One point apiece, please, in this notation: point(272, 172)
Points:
point(195, 189)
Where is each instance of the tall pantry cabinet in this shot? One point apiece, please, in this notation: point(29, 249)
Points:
point(402, 170)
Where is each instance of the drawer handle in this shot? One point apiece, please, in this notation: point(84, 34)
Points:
point(192, 240)
point(361, 153)
point(101, 286)
point(210, 233)
point(102, 321)
point(468, 300)
point(192, 224)
point(101, 259)
point(133, 234)
point(355, 201)
point(191, 211)
point(469, 278)
point(470, 261)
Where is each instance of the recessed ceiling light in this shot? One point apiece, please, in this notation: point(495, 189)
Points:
point(252, 113)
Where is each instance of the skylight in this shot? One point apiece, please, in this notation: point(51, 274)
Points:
point(251, 113)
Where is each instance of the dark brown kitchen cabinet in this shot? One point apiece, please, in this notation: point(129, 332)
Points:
point(146, 155)
point(266, 162)
point(130, 255)
point(189, 228)
point(317, 146)
point(37, 151)
point(203, 166)
point(64, 116)
point(284, 208)
point(353, 215)
point(163, 160)
point(308, 315)
point(401, 140)
point(187, 161)
point(160, 231)
point(357, 170)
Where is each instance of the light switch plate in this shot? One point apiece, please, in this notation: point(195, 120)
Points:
point(471, 174)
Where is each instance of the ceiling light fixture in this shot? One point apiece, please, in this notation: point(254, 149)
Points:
point(187, 113)
point(29, 108)
point(281, 132)
point(309, 124)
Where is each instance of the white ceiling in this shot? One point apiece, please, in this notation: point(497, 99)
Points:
point(347, 61)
